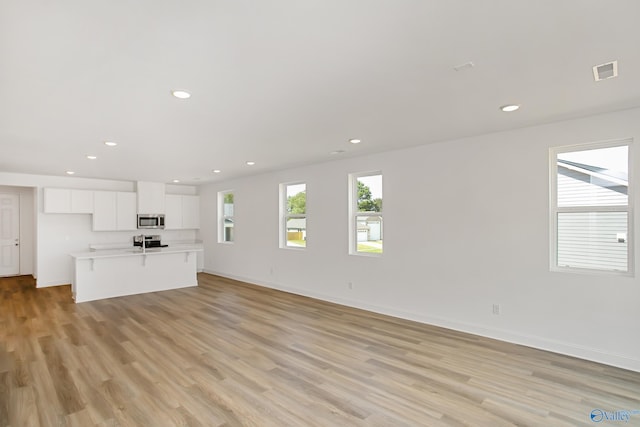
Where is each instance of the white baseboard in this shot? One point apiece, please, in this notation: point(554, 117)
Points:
point(574, 350)
point(49, 283)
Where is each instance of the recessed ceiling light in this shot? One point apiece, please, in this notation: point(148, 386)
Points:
point(110, 143)
point(90, 157)
point(355, 141)
point(176, 181)
point(70, 172)
point(217, 171)
point(509, 108)
point(182, 94)
point(250, 163)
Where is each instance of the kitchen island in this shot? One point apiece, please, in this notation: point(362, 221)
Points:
point(119, 272)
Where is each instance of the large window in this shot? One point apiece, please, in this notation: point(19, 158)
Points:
point(225, 217)
point(366, 226)
point(294, 215)
point(591, 208)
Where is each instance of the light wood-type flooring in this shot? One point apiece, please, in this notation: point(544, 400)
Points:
point(231, 354)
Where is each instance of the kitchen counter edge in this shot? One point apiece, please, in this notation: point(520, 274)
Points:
point(111, 253)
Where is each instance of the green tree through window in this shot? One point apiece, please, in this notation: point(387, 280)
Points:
point(365, 202)
point(294, 221)
point(297, 204)
point(366, 210)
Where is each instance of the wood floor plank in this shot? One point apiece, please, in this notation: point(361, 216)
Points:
point(65, 387)
point(98, 407)
point(79, 419)
point(23, 408)
point(4, 398)
point(227, 353)
point(50, 411)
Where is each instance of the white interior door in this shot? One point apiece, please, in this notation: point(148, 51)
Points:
point(9, 234)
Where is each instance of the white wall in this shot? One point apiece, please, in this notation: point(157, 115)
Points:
point(57, 235)
point(466, 227)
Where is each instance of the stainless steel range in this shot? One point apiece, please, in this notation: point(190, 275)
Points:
point(150, 241)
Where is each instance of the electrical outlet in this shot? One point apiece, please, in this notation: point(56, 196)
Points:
point(496, 309)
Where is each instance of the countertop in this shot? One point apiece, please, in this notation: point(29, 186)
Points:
point(131, 251)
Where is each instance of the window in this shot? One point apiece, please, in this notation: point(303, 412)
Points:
point(294, 215)
point(590, 208)
point(365, 216)
point(225, 217)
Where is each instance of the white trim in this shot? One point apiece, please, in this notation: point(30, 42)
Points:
point(354, 213)
point(50, 283)
point(282, 211)
point(222, 217)
point(631, 240)
point(593, 145)
point(554, 209)
point(284, 216)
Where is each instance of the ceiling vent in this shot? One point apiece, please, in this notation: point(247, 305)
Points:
point(605, 71)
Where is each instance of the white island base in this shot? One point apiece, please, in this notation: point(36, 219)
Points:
point(108, 274)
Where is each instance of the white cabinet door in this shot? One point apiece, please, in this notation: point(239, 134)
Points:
point(150, 197)
point(105, 211)
point(114, 211)
point(57, 200)
point(82, 201)
point(173, 212)
point(182, 212)
point(64, 200)
point(126, 211)
point(191, 212)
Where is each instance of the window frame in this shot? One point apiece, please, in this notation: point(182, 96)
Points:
point(555, 210)
point(285, 216)
point(354, 213)
point(222, 217)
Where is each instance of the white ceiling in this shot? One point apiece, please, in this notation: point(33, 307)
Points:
point(285, 82)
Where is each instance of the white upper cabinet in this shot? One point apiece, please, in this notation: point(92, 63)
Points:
point(182, 212)
point(64, 200)
point(104, 211)
point(114, 211)
point(173, 212)
point(57, 200)
point(151, 197)
point(126, 211)
point(191, 212)
point(82, 201)
point(117, 210)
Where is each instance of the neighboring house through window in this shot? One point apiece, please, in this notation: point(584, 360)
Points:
point(591, 212)
point(225, 217)
point(365, 213)
point(293, 222)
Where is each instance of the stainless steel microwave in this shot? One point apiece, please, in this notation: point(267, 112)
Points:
point(146, 221)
